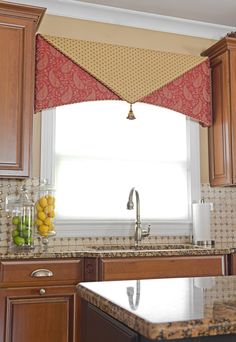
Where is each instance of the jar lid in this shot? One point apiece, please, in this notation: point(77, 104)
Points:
point(24, 199)
point(18, 201)
point(45, 186)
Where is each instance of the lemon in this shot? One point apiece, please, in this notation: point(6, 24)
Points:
point(51, 214)
point(43, 230)
point(51, 228)
point(50, 199)
point(48, 221)
point(38, 207)
point(43, 202)
point(48, 209)
point(38, 222)
point(41, 216)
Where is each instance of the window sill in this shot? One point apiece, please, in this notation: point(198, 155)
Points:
point(86, 228)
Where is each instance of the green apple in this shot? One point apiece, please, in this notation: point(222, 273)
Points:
point(21, 226)
point(26, 220)
point(15, 220)
point(19, 241)
point(29, 240)
point(25, 233)
point(15, 233)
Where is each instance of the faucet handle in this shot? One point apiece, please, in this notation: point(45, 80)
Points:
point(146, 231)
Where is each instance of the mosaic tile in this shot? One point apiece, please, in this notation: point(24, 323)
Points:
point(223, 219)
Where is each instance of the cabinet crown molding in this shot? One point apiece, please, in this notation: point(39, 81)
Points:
point(22, 11)
point(225, 44)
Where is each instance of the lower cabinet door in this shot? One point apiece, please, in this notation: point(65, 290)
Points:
point(41, 314)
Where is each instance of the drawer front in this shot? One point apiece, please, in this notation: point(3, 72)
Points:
point(162, 267)
point(42, 272)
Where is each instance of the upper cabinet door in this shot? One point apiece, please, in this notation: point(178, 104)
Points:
point(219, 133)
point(18, 25)
point(222, 134)
point(233, 107)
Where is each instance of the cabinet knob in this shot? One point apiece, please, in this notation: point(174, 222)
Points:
point(42, 292)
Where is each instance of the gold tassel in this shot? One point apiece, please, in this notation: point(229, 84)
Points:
point(131, 113)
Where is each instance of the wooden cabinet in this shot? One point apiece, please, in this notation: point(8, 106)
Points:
point(154, 267)
point(39, 301)
point(40, 314)
point(18, 25)
point(222, 134)
point(105, 328)
point(232, 264)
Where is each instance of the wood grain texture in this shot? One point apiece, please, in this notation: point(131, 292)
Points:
point(162, 267)
point(232, 67)
point(219, 134)
point(232, 265)
point(222, 136)
point(48, 318)
point(104, 327)
point(40, 309)
point(64, 272)
point(18, 26)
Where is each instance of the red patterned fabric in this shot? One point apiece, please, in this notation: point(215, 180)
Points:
point(60, 81)
point(189, 94)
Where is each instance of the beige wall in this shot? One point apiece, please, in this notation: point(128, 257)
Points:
point(107, 33)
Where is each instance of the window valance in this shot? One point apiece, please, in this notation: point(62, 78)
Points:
point(70, 71)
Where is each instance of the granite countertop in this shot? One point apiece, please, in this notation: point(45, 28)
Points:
point(114, 251)
point(168, 309)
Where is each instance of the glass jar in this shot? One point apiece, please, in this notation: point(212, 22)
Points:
point(45, 212)
point(22, 222)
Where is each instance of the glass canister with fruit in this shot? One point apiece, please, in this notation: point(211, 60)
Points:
point(22, 222)
point(45, 212)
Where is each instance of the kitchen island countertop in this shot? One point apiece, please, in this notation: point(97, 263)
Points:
point(168, 309)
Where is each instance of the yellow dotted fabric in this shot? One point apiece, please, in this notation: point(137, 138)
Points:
point(131, 73)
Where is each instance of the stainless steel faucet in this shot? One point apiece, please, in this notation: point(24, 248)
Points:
point(139, 231)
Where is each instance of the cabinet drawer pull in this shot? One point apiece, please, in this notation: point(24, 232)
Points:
point(42, 292)
point(41, 272)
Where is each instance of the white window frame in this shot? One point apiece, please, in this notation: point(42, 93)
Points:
point(122, 227)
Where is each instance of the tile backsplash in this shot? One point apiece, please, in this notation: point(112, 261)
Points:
point(223, 218)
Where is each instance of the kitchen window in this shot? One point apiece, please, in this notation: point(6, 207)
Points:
point(94, 156)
